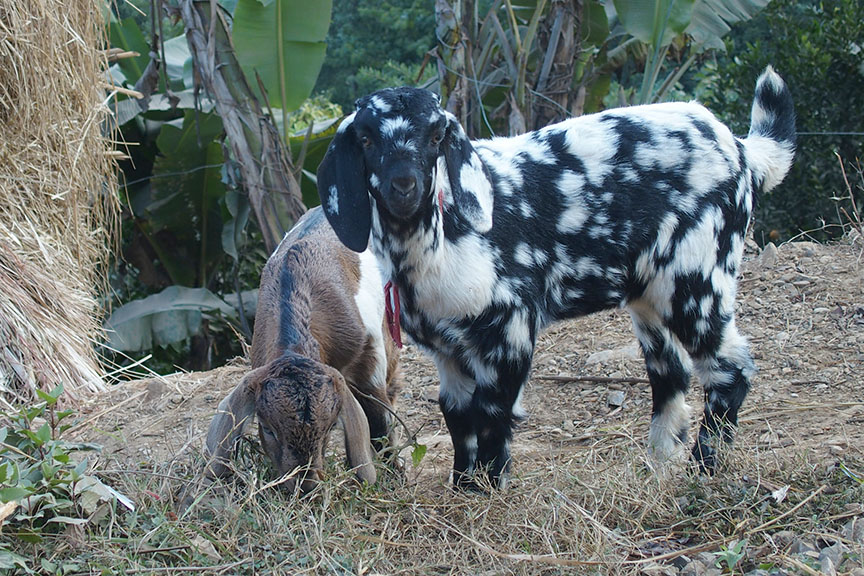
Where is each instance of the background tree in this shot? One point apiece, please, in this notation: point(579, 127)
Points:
point(372, 45)
point(818, 47)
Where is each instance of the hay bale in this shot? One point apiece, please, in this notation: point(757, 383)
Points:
point(58, 207)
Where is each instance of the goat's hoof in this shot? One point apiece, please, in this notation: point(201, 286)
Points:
point(705, 458)
point(466, 482)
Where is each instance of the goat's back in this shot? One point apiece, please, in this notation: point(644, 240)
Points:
point(308, 298)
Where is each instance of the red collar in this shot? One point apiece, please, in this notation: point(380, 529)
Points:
point(391, 308)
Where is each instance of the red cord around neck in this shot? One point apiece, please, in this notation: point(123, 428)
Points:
point(391, 308)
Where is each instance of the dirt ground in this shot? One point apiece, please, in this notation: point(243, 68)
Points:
point(801, 305)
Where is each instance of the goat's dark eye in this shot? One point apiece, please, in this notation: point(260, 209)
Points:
point(436, 138)
point(365, 141)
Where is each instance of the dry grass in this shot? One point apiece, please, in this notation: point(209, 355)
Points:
point(57, 201)
point(597, 509)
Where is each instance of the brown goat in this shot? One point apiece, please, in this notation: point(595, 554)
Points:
point(320, 338)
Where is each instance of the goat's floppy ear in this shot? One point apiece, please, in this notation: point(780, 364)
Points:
point(234, 412)
point(466, 177)
point(358, 443)
point(343, 189)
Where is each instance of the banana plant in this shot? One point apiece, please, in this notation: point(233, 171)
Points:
point(698, 24)
point(187, 207)
point(281, 44)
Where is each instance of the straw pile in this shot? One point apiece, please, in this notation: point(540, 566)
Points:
point(57, 202)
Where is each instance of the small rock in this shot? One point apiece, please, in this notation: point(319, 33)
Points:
point(430, 393)
point(707, 559)
point(694, 568)
point(630, 352)
point(857, 572)
point(783, 539)
point(155, 389)
point(757, 572)
point(769, 256)
point(854, 530)
point(830, 557)
point(827, 566)
point(615, 398)
point(801, 546)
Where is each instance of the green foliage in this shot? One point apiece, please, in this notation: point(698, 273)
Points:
point(671, 35)
point(186, 218)
point(165, 319)
point(730, 556)
point(655, 23)
point(418, 452)
point(282, 42)
point(385, 36)
point(368, 79)
point(41, 482)
point(817, 48)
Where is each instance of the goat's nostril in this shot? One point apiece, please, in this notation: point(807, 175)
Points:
point(404, 185)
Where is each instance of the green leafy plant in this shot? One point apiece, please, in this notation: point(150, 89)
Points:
point(282, 43)
point(730, 555)
point(43, 489)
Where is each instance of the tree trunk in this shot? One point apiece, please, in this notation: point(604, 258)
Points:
point(254, 142)
point(454, 55)
point(560, 42)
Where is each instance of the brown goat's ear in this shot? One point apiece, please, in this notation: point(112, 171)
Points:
point(358, 443)
point(232, 415)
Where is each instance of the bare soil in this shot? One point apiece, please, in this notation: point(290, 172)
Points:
point(801, 305)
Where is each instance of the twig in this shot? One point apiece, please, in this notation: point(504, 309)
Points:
point(115, 54)
point(220, 567)
point(143, 473)
point(378, 540)
point(792, 510)
point(412, 435)
point(158, 550)
point(800, 565)
point(592, 379)
point(683, 552)
point(125, 91)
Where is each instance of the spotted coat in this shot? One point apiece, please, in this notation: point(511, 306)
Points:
point(490, 241)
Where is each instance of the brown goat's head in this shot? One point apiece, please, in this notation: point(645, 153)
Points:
point(297, 402)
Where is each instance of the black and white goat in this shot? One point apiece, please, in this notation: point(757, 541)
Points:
point(320, 352)
point(489, 241)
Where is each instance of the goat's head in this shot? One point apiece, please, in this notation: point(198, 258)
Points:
point(297, 402)
point(404, 150)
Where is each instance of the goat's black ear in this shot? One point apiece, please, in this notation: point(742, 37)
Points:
point(343, 190)
point(467, 179)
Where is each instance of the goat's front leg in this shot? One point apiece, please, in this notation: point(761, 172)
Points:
point(496, 409)
point(454, 398)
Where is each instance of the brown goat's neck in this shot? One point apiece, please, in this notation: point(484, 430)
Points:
point(296, 333)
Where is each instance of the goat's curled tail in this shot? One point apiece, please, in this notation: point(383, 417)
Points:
point(771, 141)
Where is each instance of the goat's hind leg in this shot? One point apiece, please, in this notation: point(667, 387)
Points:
point(724, 369)
point(669, 374)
